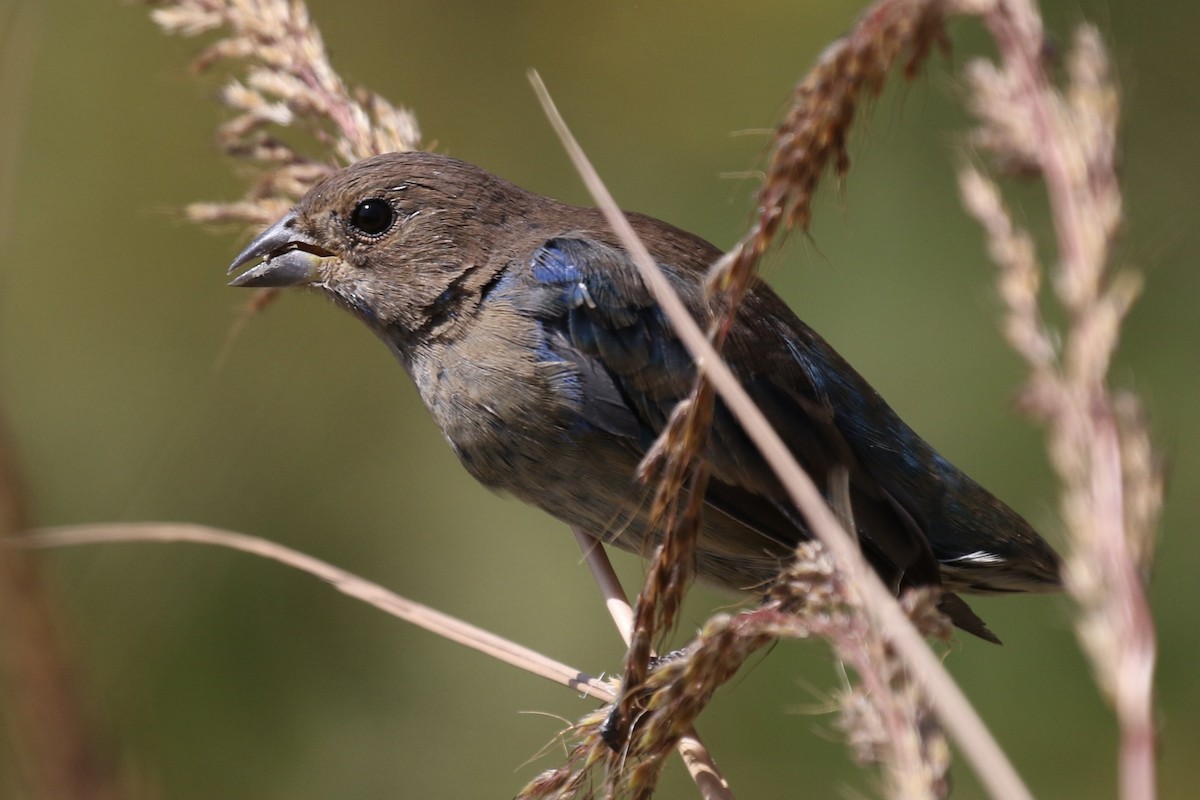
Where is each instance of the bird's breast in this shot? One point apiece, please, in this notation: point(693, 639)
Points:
point(514, 415)
point(505, 403)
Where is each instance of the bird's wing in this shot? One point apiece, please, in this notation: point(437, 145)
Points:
point(597, 313)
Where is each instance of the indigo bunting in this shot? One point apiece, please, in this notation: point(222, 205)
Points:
point(550, 370)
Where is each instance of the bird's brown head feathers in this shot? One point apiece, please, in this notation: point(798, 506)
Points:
point(395, 238)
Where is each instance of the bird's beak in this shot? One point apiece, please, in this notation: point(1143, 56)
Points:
point(289, 257)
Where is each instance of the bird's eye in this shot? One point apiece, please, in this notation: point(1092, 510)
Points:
point(373, 216)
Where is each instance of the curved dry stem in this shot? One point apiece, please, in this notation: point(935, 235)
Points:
point(345, 582)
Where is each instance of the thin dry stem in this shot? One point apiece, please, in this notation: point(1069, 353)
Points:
point(697, 759)
point(811, 138)
point(345, 582)
point(951, 704)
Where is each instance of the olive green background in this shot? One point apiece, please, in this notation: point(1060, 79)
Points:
point(220, 675)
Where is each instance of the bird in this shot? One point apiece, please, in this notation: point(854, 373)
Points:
point(551, 370)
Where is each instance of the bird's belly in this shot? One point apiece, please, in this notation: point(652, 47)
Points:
point(592, 485)
point(584, 480)
point(525, 440)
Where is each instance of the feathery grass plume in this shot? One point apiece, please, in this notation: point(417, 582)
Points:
point(811, 137)
point(1097, 437)
point(887, 720)
point(288, 86)
point(813, 134)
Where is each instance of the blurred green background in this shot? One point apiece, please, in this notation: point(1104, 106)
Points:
point(224, 676)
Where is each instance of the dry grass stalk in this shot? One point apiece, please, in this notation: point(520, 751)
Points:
point(886, 717)
point(878, 610)
point(813, 134)
point(710, 783)
point(669, 701)
point(680, 476)
point(811, 138)
point(1097, 438)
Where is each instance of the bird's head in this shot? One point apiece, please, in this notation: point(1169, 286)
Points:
point(398, 239)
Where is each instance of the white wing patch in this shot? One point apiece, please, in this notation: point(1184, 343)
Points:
point(978, 557)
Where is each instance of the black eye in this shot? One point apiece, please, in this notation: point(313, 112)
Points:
point(373, 216)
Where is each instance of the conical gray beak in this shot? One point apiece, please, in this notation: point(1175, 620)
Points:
point(290, 258)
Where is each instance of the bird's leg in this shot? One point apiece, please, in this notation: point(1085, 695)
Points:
point(615, 730)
